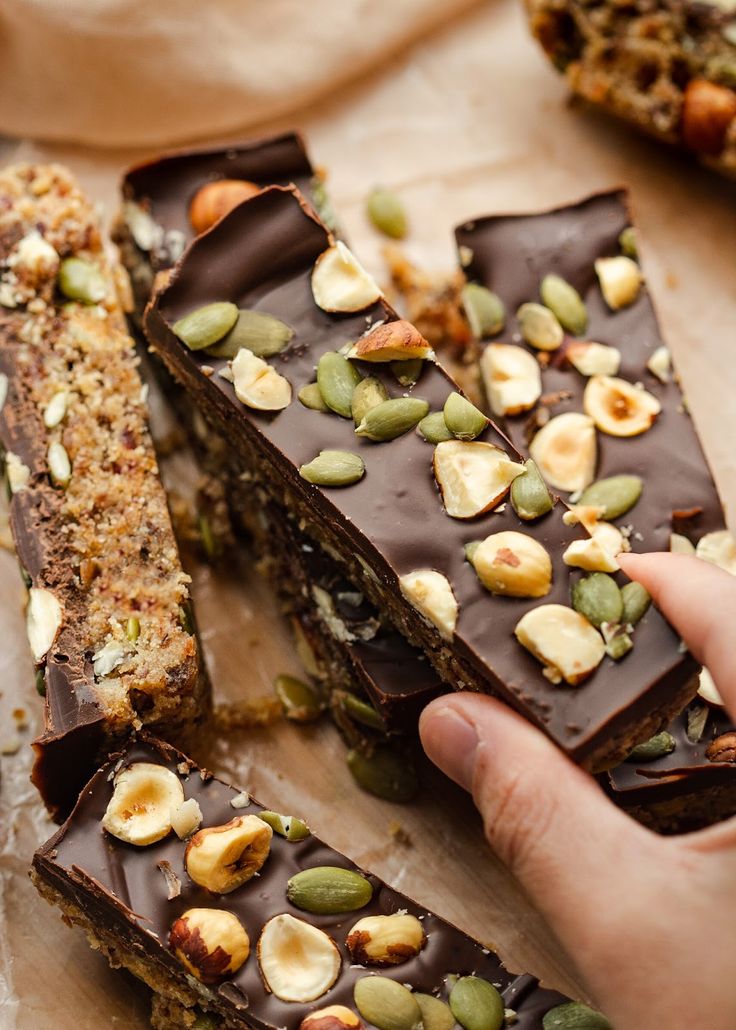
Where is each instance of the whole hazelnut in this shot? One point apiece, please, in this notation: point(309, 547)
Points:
point(386, 940)
point(333, 1017)
point(210, 943)
point(215, 199)
point(222, 858)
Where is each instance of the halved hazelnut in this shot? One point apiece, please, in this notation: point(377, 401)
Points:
point(472, 476)
point(511, 377)
point(298, 961)
point(391, 341)
point(563, 640)
point(708, 690)
point(593, 359)
point(144, 797)
point(386, 940)
point(566, 451)
point(43, 621)
point(513, 564)
point(660, 364)
point(718, 548)
point(618, 407)
point(257, 384)
point(210, 943)
point(223, 858)
point(332, 1017)
point(215, 199)
point(340, 283)
point(620, 280)
point(431, 594)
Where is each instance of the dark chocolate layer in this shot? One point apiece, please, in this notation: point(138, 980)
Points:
point(261, 256)
point(122, 890)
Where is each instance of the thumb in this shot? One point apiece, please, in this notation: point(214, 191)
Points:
point(547, 820)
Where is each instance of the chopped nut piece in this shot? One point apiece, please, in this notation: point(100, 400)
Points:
point(210, 943)
point(593, 359)
point(257, 384)
point(385, 940)
point(144, 797)
point(340, 283)
point(511, 377)
point(186, 819)
point(431, 594)
point(620, 280)
point(618, 407)
point(43, 621)
point(391, 341)
point(214, 200)
point(563, 640)
point(298, 961)
point(241, 800)
point(108, 658)
point(708, 690)
point(513, 564)
point(566, 451)
point(660, 364)
point(223, 858)
point(472, 476)
point(173, 883)
point(18, 474)
point(590, 555)
point(718, 548)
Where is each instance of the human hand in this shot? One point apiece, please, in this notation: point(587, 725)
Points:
point(648, 920)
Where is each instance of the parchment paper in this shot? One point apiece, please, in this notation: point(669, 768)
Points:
point(471, 121)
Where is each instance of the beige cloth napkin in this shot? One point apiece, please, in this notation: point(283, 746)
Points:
point(139, 72)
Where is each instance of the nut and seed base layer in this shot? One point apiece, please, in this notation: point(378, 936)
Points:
point(242, 918)
point(372, 500)
point(108, 604)
point(667, 67)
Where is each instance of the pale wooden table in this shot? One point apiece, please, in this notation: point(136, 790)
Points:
point(470, 121)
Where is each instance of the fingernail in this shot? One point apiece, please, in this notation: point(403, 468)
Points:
point(450, 742)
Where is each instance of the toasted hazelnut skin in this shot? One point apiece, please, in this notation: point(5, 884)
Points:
point(385, 940)
point(222, 858)
point(707, 112)
point(210, 943)
point(333, 1017)
point(215, 199)
point(722, 749)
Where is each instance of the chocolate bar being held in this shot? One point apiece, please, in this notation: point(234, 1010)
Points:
point(399, 514)
point(171, 199)
point(239, 915)
point(108, 611)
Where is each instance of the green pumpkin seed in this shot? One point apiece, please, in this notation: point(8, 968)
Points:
point(407, 372)
point(566, 303)
point(658, 746)
point(323, 203)
point(476, 1004)
point(387, 213)
point(361, 711)
point(627, 242)
point(329, 890)
point(41, 682)
point(300, 700)
point(369, 393)
point(697, 717)
point(484, 310)
point(288, 826)
point(207, 325)
point(311, 397)
point(575, 1016)
point(333, 468)
point(81, 280)
point(384, 772)
point(471, 548)
point(539, 326)
point(530, 497)
point(615, 495)
point(387, 1004)
point(462, 418)
point(133, 629)
point(210, 545)
point(262, 334)
point(436, 1014)
point(636, 602)
point(598, 598)
point(434, 428)
point(337, 378)
point(392, 418)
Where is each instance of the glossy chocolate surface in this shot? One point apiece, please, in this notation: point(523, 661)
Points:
point(260, 256)
point(121, 887)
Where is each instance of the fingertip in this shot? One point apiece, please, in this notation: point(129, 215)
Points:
point(450, 740)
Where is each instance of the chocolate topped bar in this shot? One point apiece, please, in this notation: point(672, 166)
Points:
point(108, 601)
point(392, 531)
point(243, 916)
